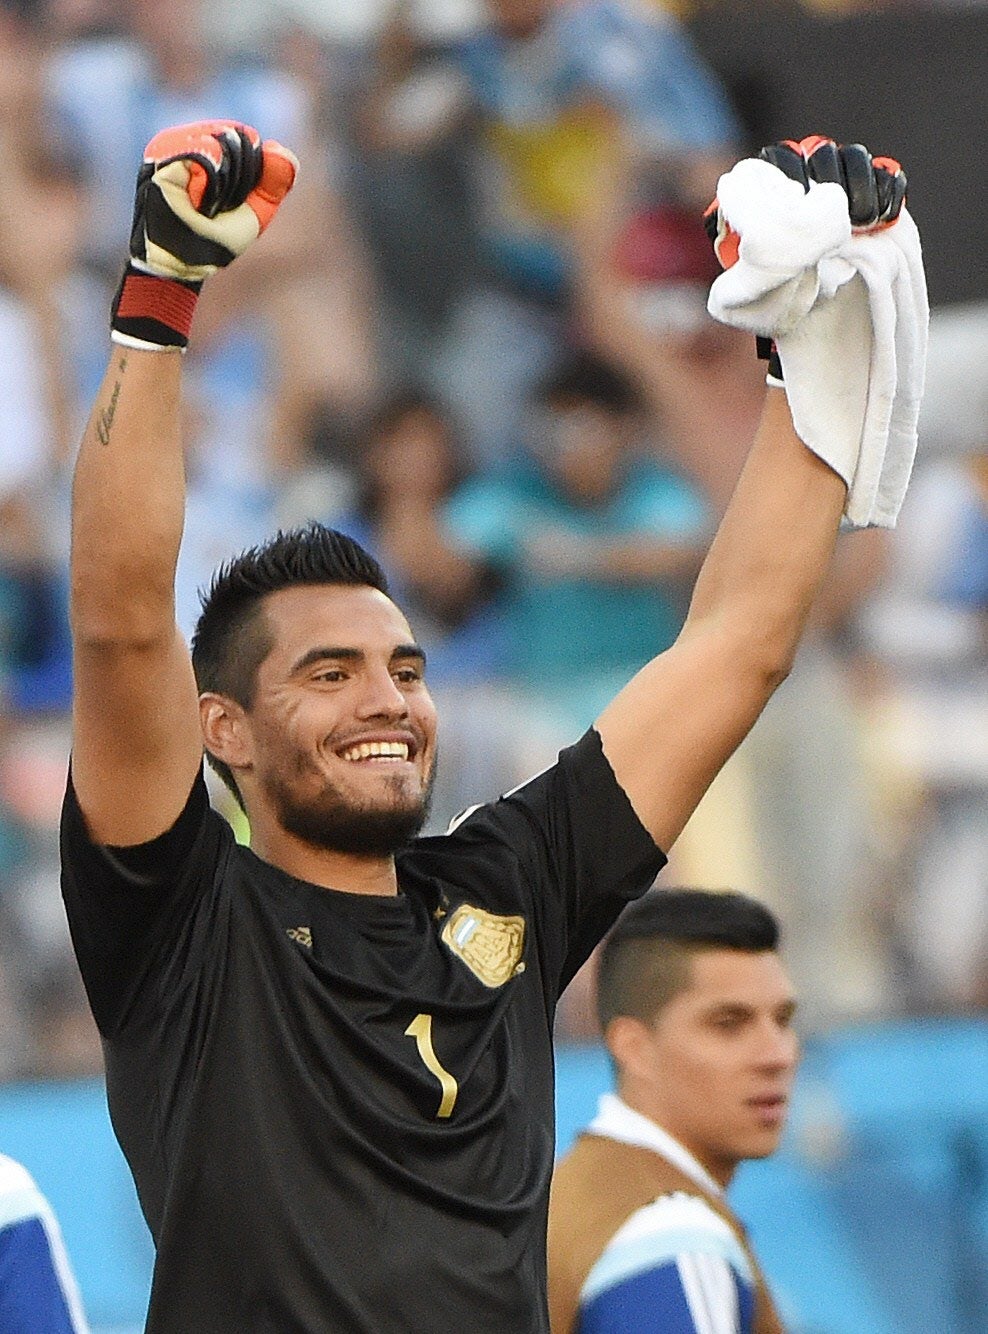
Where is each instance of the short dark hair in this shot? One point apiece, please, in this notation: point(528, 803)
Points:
point(584, 378)
point(645, 959)
point(231, 639)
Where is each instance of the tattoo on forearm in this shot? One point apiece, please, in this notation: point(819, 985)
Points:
point(105, 416)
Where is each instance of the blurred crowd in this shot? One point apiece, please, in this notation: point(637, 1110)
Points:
point(477, 341)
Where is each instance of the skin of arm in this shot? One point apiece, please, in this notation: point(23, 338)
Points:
point(137, 744)
point(669, 731)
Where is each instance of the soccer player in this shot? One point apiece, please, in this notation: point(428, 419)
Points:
point(38, 1293)
point(328, 1057)
point(696, 1010)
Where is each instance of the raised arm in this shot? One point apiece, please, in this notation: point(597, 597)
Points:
point(204, 193)
point(136, 743)
point(672, 728)
point(674, 725)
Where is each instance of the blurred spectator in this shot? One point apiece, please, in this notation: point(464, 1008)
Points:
point(38, 226)
point(38, 250)
point(411, 462)
point(60, 1038)
point(642, 274)
point(414, 197)
point(110, 93)
point(929, 629)
point(597, 544)
point(38, 242)
point(927, 704)
point(224, 513)
point(563, 99)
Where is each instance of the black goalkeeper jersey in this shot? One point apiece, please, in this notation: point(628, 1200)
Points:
point(338, 1109)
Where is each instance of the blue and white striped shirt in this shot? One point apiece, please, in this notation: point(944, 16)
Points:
point(38, 1294)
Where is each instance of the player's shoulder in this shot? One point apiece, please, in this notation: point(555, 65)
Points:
point(582, 762)
point(678, 1259)
point(665, 1229)
point(484, 840)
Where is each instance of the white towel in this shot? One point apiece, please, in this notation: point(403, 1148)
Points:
point(850, 317)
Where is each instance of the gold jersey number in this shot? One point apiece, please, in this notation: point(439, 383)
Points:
point(421, 1030)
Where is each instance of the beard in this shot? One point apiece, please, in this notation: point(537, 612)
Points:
point(335, 823)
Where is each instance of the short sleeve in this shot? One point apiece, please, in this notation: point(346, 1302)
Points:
point(578, 849)
point(129, 908)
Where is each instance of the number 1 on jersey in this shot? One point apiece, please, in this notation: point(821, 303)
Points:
point(421, 1030)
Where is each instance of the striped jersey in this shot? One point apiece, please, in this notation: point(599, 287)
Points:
point(38, 1294)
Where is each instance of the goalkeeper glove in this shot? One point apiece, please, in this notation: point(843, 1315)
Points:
point(875, 189)
point(204, 192)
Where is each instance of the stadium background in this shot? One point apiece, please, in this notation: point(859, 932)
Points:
point(874, 1218)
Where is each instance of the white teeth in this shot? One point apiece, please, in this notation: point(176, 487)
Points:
point(372, 750)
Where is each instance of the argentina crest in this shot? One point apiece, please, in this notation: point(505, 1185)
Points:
point(489, 945)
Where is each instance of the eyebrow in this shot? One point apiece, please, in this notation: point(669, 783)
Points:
point(324, 653)
point(720, 1008)
point(737, 1009)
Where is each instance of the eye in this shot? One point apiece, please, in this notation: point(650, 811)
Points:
point(408, 675)
point(727, 1023)
point(331, 675)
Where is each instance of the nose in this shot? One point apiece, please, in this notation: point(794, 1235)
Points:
point(778, 1047)
point(380, 696)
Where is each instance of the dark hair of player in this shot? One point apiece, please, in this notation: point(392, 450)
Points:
point(646, 958)
point(232, 638)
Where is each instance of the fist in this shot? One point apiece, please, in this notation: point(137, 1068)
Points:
point(875, 186)
point(204, 192)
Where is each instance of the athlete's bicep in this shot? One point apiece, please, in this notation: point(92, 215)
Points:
point(137, 743)
point(674, 725)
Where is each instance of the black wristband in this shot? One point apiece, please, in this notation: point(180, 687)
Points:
point(767, 351)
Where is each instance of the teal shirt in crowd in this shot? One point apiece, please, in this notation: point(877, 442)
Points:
point(570, 631)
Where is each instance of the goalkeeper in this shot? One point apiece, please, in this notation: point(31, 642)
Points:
point(329, 1057)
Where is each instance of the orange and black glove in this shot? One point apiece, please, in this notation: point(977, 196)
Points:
point(875, 186)
point(875, 189)
point(204, 192)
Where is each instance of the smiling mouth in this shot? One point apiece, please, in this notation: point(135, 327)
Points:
point(387, 751)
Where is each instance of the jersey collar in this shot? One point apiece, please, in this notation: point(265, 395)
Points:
point(616, 1120)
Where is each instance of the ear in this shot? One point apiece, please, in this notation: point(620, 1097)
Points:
point(627, 1040)
point(225, 730)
